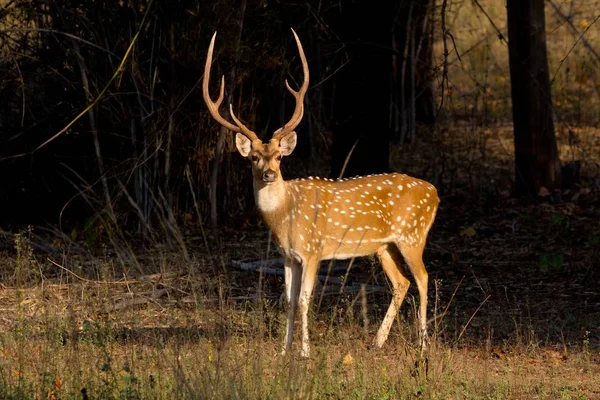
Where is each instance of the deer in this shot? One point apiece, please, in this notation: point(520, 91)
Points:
point(314, 219)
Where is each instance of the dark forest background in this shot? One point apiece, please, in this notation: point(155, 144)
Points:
point(102, 121)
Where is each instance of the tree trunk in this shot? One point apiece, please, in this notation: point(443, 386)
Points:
point(362, 89)
point(413, 96)
point(536, 156)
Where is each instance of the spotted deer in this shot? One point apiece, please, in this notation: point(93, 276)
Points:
point(318, 219)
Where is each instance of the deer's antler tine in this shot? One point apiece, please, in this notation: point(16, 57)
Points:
point(298, 95)
point(213, 106)
point(243, 129)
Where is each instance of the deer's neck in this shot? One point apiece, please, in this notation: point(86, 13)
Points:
point(272, 200)
point(275, 203)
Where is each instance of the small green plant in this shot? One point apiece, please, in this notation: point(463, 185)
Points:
point(26, 264)
point(558, 220)
point(586, 343)
point(551, 262)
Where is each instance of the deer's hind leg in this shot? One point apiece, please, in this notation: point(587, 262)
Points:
point(391, 259)
point(414, 259)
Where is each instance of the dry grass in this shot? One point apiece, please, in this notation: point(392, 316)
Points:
point(513, 288)
point(199, 330)
point(61, 339)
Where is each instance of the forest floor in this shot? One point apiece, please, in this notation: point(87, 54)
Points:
point(514, 305)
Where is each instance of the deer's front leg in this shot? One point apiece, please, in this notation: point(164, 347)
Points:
point(309, 274)
point(293, 276)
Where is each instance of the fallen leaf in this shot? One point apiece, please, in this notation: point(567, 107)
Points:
point(58, 382)
point(497, 353)
point(348, 360)
point(556, 357)
point(469, 232)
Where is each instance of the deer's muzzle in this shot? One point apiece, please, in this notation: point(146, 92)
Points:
point(269, 176)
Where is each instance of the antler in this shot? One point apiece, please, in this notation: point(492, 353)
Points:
point(213, 106)
point(298, 95)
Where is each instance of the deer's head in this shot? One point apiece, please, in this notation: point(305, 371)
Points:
point(265, 157)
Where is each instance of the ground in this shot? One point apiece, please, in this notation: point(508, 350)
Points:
point(514, 307)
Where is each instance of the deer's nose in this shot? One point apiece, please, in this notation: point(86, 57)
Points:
point(269, 176)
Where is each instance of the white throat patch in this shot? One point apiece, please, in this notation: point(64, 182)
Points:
point(270, 197)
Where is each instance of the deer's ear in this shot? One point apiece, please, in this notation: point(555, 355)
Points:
point(287, 144)
point(243, 144)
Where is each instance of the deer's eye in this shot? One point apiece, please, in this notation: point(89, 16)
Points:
point(278, 157)
point(254, 158)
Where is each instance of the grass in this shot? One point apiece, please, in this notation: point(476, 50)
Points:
point(513, 306)
point(57, 356)
point(60, 340)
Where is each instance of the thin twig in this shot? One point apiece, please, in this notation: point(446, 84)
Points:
point(98, 97)
point(470, 319)
point(498, 31)
point(445, 54)
point(451, 299)
point(54, 31)
point(22, 92)
point(347, 160)
point(81, 278)
point(581, 38)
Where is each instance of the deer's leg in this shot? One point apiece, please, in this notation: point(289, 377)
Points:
point(287, 269)
point(414, 259)
point(293, 276)
point(309, 274)
point(390, 259)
